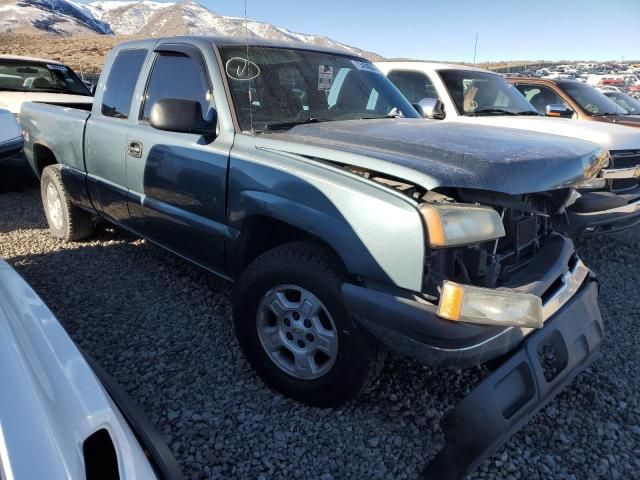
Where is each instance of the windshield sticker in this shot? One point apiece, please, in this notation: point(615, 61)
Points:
point(366, 66)
point(239, 68)
point(325, 77)
point(62, 68)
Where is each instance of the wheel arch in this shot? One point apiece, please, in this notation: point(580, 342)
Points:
point(43, 156)
point(252, 242)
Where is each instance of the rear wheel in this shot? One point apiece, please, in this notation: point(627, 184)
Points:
point(66, 221)
point(295, 331)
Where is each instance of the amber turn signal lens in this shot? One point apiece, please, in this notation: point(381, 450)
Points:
point(450, 305)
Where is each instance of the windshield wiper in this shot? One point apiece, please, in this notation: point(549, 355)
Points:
point(287, 125)
point(529, 112)
point(500, 111)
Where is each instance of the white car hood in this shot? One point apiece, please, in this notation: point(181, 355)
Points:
point(607, 135)
point(9, 128)
point(13, 101)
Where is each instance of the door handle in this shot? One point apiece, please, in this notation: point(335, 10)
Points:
point(134, 149)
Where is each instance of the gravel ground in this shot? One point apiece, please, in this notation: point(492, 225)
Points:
point(163, 329)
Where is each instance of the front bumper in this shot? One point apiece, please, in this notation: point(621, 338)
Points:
point(412, 328)
point(10, 148)
point(502, 403)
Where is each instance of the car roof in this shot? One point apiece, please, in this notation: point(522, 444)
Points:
point(219, 40)
point(431, 65)
point(30, 59)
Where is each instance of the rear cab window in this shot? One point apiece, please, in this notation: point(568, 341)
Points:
point(121, 83)
point(22, 75)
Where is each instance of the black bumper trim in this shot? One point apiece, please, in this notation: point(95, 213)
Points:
point(505, 401)
point(160, 456)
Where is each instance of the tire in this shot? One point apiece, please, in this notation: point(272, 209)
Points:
point(66, 221)
point(308, 278)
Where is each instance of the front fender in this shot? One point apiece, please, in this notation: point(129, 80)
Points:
point(377, 232)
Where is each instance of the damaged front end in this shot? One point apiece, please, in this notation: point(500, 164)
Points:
point(500, 285)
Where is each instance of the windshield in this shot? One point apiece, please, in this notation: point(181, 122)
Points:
point(26, 76)
point(482, 93)
point(593, 101)
point(627, 102)
point(278, 88)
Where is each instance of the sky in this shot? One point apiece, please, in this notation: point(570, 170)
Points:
point(446, 29)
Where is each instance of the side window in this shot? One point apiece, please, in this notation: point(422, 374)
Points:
point(413, 85)
point(176, 75)
point(540, 96)
point(118, 92)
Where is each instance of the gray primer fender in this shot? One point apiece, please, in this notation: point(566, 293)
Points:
point(377, 232)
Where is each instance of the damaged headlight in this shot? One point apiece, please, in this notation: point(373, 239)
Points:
point(487, 306)
point(450, 225)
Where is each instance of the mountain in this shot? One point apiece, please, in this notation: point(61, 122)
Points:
point(61, 17)
point(142, 18)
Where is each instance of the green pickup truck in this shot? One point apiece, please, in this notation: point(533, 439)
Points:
point(349, 224)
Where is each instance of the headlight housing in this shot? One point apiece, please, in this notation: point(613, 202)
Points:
point(450, 224)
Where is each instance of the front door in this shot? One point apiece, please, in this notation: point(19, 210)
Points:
point(177, 181)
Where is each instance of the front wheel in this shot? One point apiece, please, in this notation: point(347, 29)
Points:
point(295, 331)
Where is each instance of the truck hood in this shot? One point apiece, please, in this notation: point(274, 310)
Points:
point(444, 154)
point(608, 135)
point(13, 101)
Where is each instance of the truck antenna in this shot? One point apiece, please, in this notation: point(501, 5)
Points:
point(475, 49)
point(246, 40)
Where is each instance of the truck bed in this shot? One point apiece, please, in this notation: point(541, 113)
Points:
point(59, 128)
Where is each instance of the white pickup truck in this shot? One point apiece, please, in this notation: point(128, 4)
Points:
point(463, 94)
point(25, 79)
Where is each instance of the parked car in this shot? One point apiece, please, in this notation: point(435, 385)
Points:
point(349, 224)
point(608, 88)
point(460, 94)
point(25, 79)
point(62, 416)
point(625, 101)
point(571, 99)
point(10, 135)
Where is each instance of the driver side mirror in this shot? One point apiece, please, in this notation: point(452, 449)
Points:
point(430, 108)
point(558, 110)
point(183, 116)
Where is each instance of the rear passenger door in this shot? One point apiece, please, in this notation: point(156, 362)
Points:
point(106, 135)
point(177, 181)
